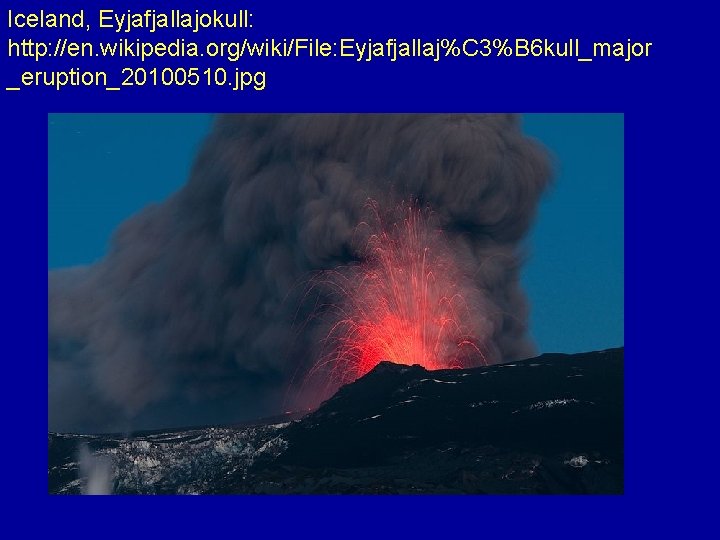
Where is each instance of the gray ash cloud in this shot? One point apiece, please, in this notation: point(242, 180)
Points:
point(194, 315)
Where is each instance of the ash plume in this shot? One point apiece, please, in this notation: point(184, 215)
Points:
point(195, 315)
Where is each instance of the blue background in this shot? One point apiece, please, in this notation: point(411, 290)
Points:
point(104, 167)
point(671, 292)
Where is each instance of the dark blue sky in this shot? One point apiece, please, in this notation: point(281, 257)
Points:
point(103, 168)
point(574, 275)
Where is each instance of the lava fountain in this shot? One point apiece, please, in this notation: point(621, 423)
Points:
point(408, 301)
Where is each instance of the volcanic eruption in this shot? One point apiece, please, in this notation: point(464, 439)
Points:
point(409, 301)
point(192, 316)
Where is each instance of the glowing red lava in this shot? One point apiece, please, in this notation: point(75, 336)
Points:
point(407, 302)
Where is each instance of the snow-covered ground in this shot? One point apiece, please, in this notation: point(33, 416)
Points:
point(178, 462)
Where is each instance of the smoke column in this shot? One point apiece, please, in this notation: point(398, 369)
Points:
point(199, 312)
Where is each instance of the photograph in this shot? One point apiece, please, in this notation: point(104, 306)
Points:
point(336, 304)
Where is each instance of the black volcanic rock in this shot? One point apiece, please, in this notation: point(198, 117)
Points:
point(552, 424)
point(552, 403)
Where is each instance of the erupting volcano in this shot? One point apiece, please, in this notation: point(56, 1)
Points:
point(268, 276)
point(408, 301)
point(333, 303)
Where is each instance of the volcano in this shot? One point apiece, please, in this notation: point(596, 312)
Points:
point(550, 424)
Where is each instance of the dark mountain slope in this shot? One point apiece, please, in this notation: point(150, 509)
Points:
point(552, 424)
point(552, 403)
